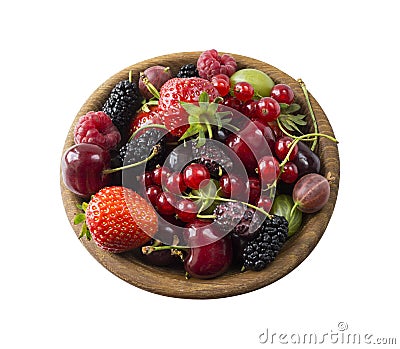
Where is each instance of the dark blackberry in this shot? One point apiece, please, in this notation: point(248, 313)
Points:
point(238, 219)
point(264, 248)
point(213, 156)
point(141, 147)
point(188, 71)
point(122, 104)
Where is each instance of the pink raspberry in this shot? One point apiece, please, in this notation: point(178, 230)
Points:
point(210, 64)
point(97, 128)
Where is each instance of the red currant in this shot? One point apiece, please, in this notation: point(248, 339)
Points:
point(268, 169)
point(243, 91)
point(165, 204)
point(175, 183)
point(265, 203)
point(152, 193)
point(289, 173)
point(221, 83)
point(195, 174)
point(282, 93)
point(231, 186)
point(186, 210)
point(282, 147)
point(267, 109)
point(159, 175)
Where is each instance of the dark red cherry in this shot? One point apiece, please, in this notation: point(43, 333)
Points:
point(82, 168)
point(306, 160)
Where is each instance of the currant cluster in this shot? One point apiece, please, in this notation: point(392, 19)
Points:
point(212, 146)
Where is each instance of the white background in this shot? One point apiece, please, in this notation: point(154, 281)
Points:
point(55, 295)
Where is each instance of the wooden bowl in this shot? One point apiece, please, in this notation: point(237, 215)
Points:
point(171, 282)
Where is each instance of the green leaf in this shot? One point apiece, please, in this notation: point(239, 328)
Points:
point(191, 109)
point(287, 126)
point(292, 124)
point(85, 232)
point(282, 206)
point(79, 218)
point(193, 130)
point(212, 108)
point(292, 108)
point(204, 97)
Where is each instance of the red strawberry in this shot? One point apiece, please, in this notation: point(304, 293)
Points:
point(120, 220)
point(182, 90)
point(144, 118)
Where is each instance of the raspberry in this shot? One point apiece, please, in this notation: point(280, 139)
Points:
point(210, 64)
point(97, 128)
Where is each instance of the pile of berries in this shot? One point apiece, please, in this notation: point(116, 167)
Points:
point(186, 167)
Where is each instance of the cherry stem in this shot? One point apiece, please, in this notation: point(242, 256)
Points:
point(305, 92)
point(144, 127)
point(150, 249)
point(152, 155)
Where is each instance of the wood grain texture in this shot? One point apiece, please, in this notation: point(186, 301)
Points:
point(171, 282)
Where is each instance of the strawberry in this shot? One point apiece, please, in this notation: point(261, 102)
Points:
point(178, 90)
point(144, 118)
point(118, 219)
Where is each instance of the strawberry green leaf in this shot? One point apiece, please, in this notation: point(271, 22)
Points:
point(204, 98)
point(191, 109)
point(79, 218)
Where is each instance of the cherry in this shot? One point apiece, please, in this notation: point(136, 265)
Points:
point(248, 108)
point(289, 173)
point(147, 179)
point(195, 174)
point(186, 210)
point(207, 260)
point(267, 132)
point(175, 183)
point(282, 146)
point(255, 190)
point(221, 83)
point(268, 169)
point(160, 258)
point(233, 102)
point(282, 93)
point(152, 192)
point(243, 91)
point(83, 168)
point(165, 204)
point(267, 109)
point(159, 175)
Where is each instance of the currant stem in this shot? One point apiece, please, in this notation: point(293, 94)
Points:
point(206, 216)
point(218, 198)
point(144, 127)
point(303, 137)
point(290, 135)
point(152, 155)
point(304, 88)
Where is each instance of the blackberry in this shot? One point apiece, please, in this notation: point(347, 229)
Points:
point(140, 148)
point(213, 156)
point(122, 104)
point(236, 218)
point(266, 245)
point(188, 71)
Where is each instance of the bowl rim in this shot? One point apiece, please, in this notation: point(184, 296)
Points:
point(161, 280)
